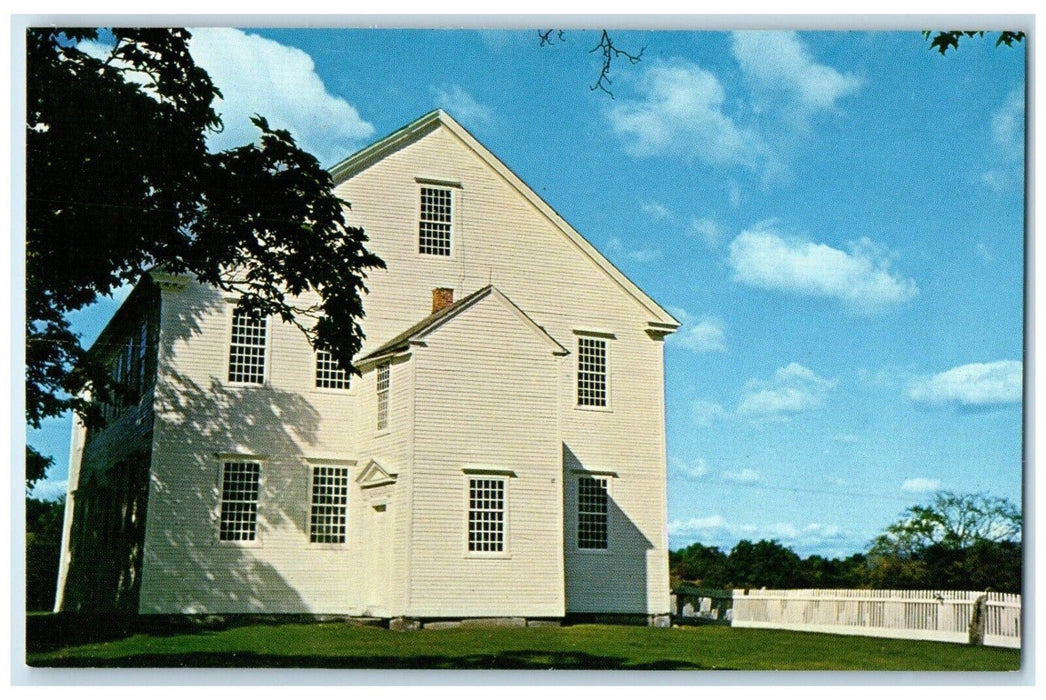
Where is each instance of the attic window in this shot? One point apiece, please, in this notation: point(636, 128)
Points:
point(435, 221)
point(591, 371)
point(383, 396)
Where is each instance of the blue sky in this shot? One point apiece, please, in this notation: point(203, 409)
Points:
point(837, 217)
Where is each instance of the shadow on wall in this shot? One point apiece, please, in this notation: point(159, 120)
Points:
point(199, 420)
point(603, 581)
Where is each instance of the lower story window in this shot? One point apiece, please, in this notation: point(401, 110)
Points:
point(486, 515)
point(591, 513)
point(239, 508)
point(330, 499)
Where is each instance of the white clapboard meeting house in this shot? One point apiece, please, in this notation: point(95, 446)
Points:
point(501, 454)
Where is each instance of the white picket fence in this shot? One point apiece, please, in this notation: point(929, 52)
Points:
point(933, 615)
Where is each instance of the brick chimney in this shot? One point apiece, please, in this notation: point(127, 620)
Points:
point(442, 297)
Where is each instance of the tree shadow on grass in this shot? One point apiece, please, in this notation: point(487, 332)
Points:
point(504, 660)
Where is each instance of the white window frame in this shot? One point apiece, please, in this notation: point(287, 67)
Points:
point(309, 534)
point(223, 463)
point(502, 477)
point(450, 191)
point(606, 480)
point(593, 337)
point(229, 346)
point(382, 390)
point(332, 370)
point(143, 343)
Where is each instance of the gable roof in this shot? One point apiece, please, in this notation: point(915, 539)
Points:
point(433, 321)
point(361, 160)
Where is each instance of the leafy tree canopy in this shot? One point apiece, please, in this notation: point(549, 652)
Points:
point(942, 41)
point(119, 180)
point(953, 522)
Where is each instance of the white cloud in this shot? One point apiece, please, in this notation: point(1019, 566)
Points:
point(680, 112)
point(461, 105)
point(793, 389)
point(780, 62)
point(846, 438)
point(657, 211)
point(691, 471)
point(715, 530)
point(1007, 135)
point(706, 229)
point(745, 476)
point(863, 278)
point(920, 484)
point(260, 76)
point(706, 335)
point(640, 255)
point(49, 490)
point(976, 385)
point(704, 412)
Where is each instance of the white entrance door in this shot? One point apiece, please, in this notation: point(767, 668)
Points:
point(377, 559)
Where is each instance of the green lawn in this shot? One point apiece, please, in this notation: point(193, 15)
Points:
point(333, 645)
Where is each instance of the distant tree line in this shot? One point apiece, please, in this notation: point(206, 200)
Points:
point(958, 542)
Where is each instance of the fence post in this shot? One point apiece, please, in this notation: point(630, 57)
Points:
point(978, 619)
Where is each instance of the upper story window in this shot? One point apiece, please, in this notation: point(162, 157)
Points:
point(329, 372)
point(383, 396)
point(591, 512)
point(591, 371)
point(247, 348)
point(239, 508)
point(486, 515)
point(143, 342)
point(330, 500)
point(434, 224)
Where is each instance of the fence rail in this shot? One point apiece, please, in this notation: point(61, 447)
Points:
point(932, 615)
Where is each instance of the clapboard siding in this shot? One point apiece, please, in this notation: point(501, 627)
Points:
point(501, 238)
point(486, 388)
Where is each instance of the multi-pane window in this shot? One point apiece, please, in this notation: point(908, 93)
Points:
point(435, 222)
point(486, 515)
point(591, 371)
point(383, 396)
point(143, 341)
point(239, 508)
point(247, 348)
point(329, 372)
point(330, 498)
point(591, 513)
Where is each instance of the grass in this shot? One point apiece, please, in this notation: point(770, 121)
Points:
point(333, 645)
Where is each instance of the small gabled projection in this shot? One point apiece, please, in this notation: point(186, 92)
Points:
point(374, 474)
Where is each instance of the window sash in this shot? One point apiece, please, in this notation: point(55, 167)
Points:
point(592, 510)
point(486, 515)
point(435, 221)
point(329, 372)
point(591, 372)
point(328, 515)
point(383, 382)
point(238, 518)
point(247, 348)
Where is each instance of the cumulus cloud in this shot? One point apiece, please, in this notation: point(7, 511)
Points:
point(705, 229)
point(705, 335)
point(50, 490)
point(920, 484)
point(979, 385)
point(745, 476)
point(1007, 135)
point(657, 211)
point(778, 62)
point(692, 471)
point(704, 412)
point(461, 105)
point(862, 277)
point(640, 255)
point(679, 111)
point(715, 530)
point(793, 389)
point(261, 76)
